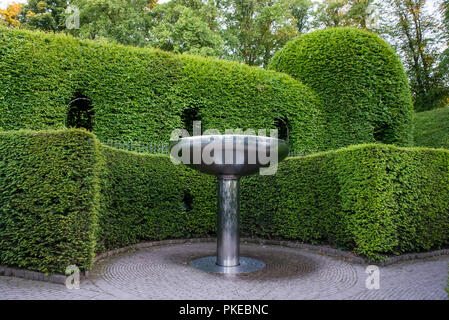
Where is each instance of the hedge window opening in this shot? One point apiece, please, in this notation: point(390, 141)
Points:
point(282, 126)
point(187, 201)
point(380, 133)
point(188, 117)
point(80, 113)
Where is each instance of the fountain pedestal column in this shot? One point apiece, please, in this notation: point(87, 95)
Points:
point(228, 238)
point(233, 156)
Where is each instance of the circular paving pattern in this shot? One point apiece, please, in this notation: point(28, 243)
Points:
point(165, 272)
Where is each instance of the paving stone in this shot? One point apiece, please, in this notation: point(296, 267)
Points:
point(163, 272)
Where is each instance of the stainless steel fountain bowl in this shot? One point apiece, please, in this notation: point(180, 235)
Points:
point(239, 155)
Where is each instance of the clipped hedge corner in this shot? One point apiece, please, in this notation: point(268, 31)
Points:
point(49, 199)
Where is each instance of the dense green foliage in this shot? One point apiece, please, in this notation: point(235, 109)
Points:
point(249, 31)
point(49, 195)
point(44, 15)
point(432, 128)
point(253, 30)
point(63, 195)
point(143, 197)
point(120, 21)
point(143, 94)
point(189, 26)
point(374, 199)
point(417, 37)
point(344, 13)
point(361, 81)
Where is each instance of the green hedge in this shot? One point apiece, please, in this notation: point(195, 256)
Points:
point(360, 79)
point(143, 94)
point(350, 88)
point(143, 199)
point(374, 199)
point(49, 196)
point(432, 128)
point(62, 194)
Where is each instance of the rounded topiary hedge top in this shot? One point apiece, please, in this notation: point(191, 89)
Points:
point(361, 80)
point(143, 94)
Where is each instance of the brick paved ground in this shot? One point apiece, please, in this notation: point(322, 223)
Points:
point(164, 273)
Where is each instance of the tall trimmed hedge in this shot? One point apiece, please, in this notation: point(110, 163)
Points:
point(143, 94)
point(64, 195)
point(143, 198)
point(49, 199)
point(374, 199)
point(361, 81)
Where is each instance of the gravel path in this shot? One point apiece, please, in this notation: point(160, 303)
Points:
point(164, 273)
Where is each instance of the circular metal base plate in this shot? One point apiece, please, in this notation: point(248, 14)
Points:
point(246, 265)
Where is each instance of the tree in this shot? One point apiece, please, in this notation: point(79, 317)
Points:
point(445, 11)
point(10, 16)
point(189, 26)
point(300, 10)
point(121, 21)
point(443, 67)
point(344, 13)
point(415, 35)
point(46, 15)
point(254, 29)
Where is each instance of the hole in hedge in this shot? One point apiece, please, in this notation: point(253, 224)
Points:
point(379, 133)
point(188, 201)
point(80, 113)
point(282, 126)
point(188, 116)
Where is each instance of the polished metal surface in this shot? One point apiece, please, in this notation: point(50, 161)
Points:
point(230, 155)
point(228, 238)
point(246, 265)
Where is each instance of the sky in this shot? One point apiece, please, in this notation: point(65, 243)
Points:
point(4, 3)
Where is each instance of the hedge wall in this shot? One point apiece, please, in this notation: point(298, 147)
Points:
point(373, 199)
point(143, 94)
point(432, 128)
point(360, 79)
point(146, 197)
point(49, 196)
point(63, 194)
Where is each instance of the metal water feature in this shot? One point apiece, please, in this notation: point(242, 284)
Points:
point(229, 157)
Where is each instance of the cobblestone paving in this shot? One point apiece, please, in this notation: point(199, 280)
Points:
point(164, 273)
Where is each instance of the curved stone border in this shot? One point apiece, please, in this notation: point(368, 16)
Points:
point(150, 244)
point(345, 255)
point(40, 276)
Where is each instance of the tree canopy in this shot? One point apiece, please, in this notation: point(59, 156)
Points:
point(189, 26)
